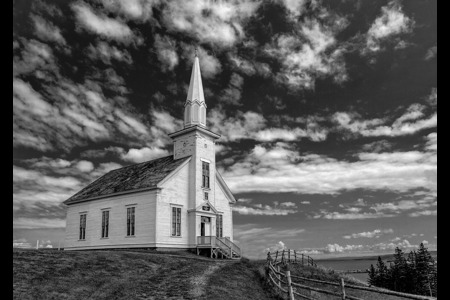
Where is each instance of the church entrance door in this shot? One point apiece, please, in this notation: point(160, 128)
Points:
point(205, 227)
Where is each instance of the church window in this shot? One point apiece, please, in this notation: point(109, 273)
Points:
point(219, 226)
point(130, 221)
point(105, 223)
point(176, 221)
point(205, 174)
point(82, 226)
point(206, 195)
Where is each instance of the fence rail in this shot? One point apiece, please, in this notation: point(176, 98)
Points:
point(283, 280)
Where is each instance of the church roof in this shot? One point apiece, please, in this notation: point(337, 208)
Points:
point(141, 176)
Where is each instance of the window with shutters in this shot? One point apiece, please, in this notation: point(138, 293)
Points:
point(105, 223)
point(176, 221)
point(205, 174)
point(219, 226)
point(130, 221)
point(82, 226)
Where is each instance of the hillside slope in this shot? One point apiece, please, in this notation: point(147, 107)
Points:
point(51, 274)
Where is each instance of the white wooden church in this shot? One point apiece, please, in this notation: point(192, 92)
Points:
point(174, 202)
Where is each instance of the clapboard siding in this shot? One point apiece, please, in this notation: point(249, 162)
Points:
point(222, 204)
point(145, 203)
point(174, 191)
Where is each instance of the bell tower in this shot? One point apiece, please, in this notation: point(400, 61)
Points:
point(197, 141)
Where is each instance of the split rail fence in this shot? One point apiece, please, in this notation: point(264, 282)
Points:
point(283, 280)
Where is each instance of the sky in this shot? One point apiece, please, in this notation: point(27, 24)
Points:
point(327, 112)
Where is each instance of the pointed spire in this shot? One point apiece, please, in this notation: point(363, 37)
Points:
point(195, 86)
point(195, 107)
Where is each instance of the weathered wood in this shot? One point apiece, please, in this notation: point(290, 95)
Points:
point(289, 285)
point(343, 288)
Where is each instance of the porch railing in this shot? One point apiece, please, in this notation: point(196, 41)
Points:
point(224, 243)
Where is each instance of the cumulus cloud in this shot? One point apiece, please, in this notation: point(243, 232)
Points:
point(369, 234)
point(141, 155)
point(310, 53)
point(216, 22)
point(412, 121)
point(136, 10)
point(47, 31)
point(281, 169)
point(252, 125)
point(96, 22)
point(278, 209)
point(165, 49)
point(392, 22)
point(85, 166)
point(108, 53)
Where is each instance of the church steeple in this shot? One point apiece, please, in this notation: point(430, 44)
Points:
point(195, 106)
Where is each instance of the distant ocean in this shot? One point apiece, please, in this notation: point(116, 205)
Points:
point(357, 263)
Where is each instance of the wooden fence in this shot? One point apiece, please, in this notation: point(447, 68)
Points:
point(283, 281)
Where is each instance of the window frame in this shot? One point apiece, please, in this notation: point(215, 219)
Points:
point(205, 174)
point(175, 228)
point(82, 227)
point(105, 224)
point(131, 221)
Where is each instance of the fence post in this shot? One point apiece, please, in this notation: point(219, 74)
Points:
point(289, 255)
point(295, 256)
point(343, 288)
point(282, 256)
point(302, 260)
point(278, 276)
point(289, 287)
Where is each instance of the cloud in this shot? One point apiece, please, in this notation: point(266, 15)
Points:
point(279, 209)
point(252, 125)
point(305, 202)
point(369, 234)
point(100, 24)
point(34, 223)
point(47, 31)
point(108, 53)
point(141, 155)
point(411, 122)
point(423, 213)
point(85, 166)
point(136, 10)
point(392, 22)
point(279, 168)
point(209, 63)
point(166, 52)
point(431, 53)
point(310, 53)
point(214, 22)
point(21, 243)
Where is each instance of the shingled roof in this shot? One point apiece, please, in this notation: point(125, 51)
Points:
point(139, 176)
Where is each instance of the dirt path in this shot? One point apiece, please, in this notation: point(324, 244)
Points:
point(199, 282)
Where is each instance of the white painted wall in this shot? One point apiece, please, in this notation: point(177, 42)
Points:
point(222, 204)
point(145, 203)
point(174, 192)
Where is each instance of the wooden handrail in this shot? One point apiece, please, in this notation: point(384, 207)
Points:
point(289, 283)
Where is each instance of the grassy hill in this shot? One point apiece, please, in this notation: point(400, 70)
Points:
point(52, 274)
point(102, 274)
